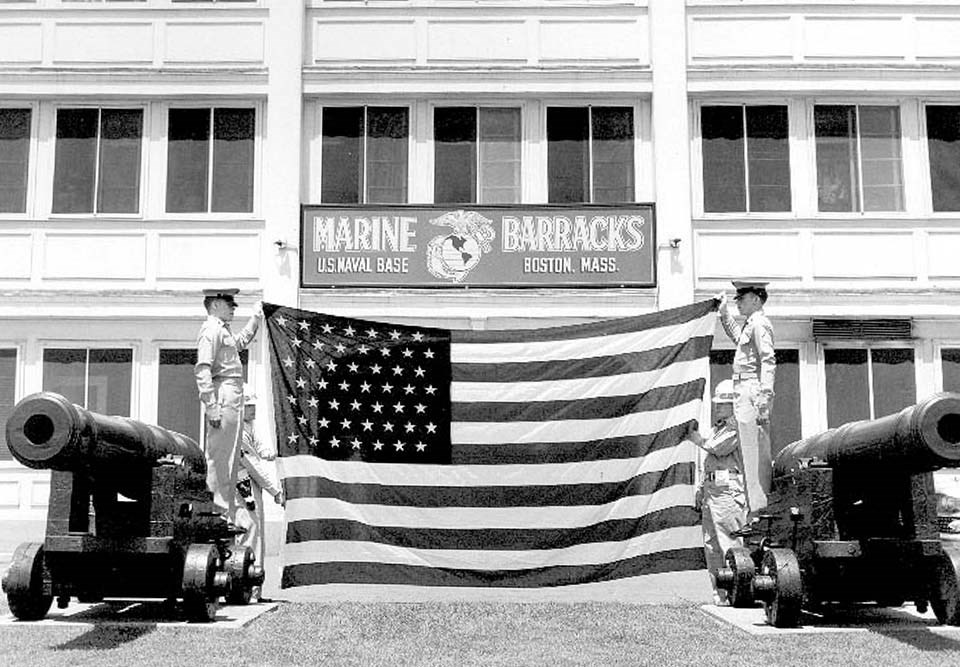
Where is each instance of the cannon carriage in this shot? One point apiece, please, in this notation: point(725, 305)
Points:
point(129, 516)
point(852, 519)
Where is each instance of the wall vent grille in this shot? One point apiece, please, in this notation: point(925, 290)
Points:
point(840, 329)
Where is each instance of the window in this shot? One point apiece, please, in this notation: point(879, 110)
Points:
point(858, 158)
point(746, 158)
point(206, 176)
point(97, 379)
point(97, 165)
point(785, 418)
point(943, 141)
point(867, 383)
point(14, 159)
point(590, 154)
point(364, 155)
point(8, 394)
point(179, 406)
point(465, 165)
point(950, 365)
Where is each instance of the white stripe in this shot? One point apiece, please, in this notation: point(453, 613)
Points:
point(574, 388)
point(581, 554)
point(559, 516)
point(545, 474)
point(573, 430)
point(582, 348)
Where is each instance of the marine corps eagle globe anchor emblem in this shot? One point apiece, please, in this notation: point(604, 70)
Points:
point(453, 256)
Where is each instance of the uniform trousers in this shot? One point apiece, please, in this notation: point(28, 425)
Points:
point(252, 520)
point(724, 511)
point(754, 443)
point(223, 445)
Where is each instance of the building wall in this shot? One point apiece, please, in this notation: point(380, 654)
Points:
point(133, 280)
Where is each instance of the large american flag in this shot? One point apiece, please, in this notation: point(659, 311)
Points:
point(515, 458)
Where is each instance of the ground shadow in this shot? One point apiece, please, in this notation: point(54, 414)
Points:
point(106, 637)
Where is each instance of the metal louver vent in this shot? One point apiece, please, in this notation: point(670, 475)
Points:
point(839, 329)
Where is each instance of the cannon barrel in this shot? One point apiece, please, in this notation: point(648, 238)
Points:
point(47, 431)
point(918, 439)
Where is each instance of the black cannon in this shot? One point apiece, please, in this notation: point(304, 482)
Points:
point(130, 516)
point(852, 519)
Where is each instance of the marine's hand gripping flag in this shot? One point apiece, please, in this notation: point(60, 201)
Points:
point(540, 457)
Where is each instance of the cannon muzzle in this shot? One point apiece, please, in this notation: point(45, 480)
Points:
point(918, 439)
point(47, 431)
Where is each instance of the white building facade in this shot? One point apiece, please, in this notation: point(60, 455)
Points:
point(150, 149)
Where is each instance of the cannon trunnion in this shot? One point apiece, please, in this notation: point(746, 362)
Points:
point(852, 519)
point(129, 516)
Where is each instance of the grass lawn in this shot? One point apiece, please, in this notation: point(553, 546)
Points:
point(454, 633)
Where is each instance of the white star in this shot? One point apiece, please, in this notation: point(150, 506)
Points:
point(428, 354)
point(331, 366)
point(313, 441)
point(321, 384)
point(334, 404)
point(301, 383)
point(345, 424)
point(430, 389)
point(378, 445)
point(371, 333)
point(313, 401)
point(334, 442)
point(421, 446)
point(398, 445)
point(409, 427)
point(349, 331)
point(292, 438)
point(310, 362)
point(353, 368)
point(398, 370)
point(375, 369)
point(367, 425)
point(292, 399)
point(421, 408)
point(355, 443)
point(394, 335)
point(418, 336)
point(419, 372)
point(363, 349)
point(409, 389)
point(407, 352)
point(327, 329)
point(323, 422)
point(281, 320)
point(303, 324)
point(388, 427)
point(377, 407)
point(398, 407)
point(302, 420)
point(431, 428)
point(387, 388)
point(318, 344)
point(288, 362)
point(385, 351)
point(296, 342)
point(365, 387)
point(344, 386)
point(341, 348)
point(355, 405)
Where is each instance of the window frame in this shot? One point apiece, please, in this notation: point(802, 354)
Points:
point(938, 347)
point(163, 129)
point(143, 190)
point(18, 389)
point(32, 154)
point(136, 363)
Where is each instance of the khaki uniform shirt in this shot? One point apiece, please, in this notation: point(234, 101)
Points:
point(723, 449)
point(755, 353)
point(218, 354)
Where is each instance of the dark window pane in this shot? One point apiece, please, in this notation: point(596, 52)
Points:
point(74, 171)
point(894, 382)
point(188, 160)
point(387, 139)
point(14, 160)
point(612, 154)
point(785, 426)
point(342, 155)
point(500, 144)
point(950, 360)
point(943, 140)
point(8, 386)
point(233, 133)
point(109, 381)
point(768, 156)
point(568, 170)
point(723, 166)
point(847, 386)
point(64, 372)
point(837, 158)
point(119, 180)
point(880, 157)
point(178, 406)
point(455, 146)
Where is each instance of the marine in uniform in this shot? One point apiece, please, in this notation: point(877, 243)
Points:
point(754, 371)
point(219, 375)
point(257, 474)
point(724, 503)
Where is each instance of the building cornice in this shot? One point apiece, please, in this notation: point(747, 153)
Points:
point(133, 81)
point(833, 77)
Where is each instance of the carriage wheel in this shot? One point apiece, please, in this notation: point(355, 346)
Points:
point(240, 567)
point(25, 581)
point(200, 594)
point(741, 563)
point(783, 606)
point(945, 588)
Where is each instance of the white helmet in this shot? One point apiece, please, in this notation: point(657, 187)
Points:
point(723, 393)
